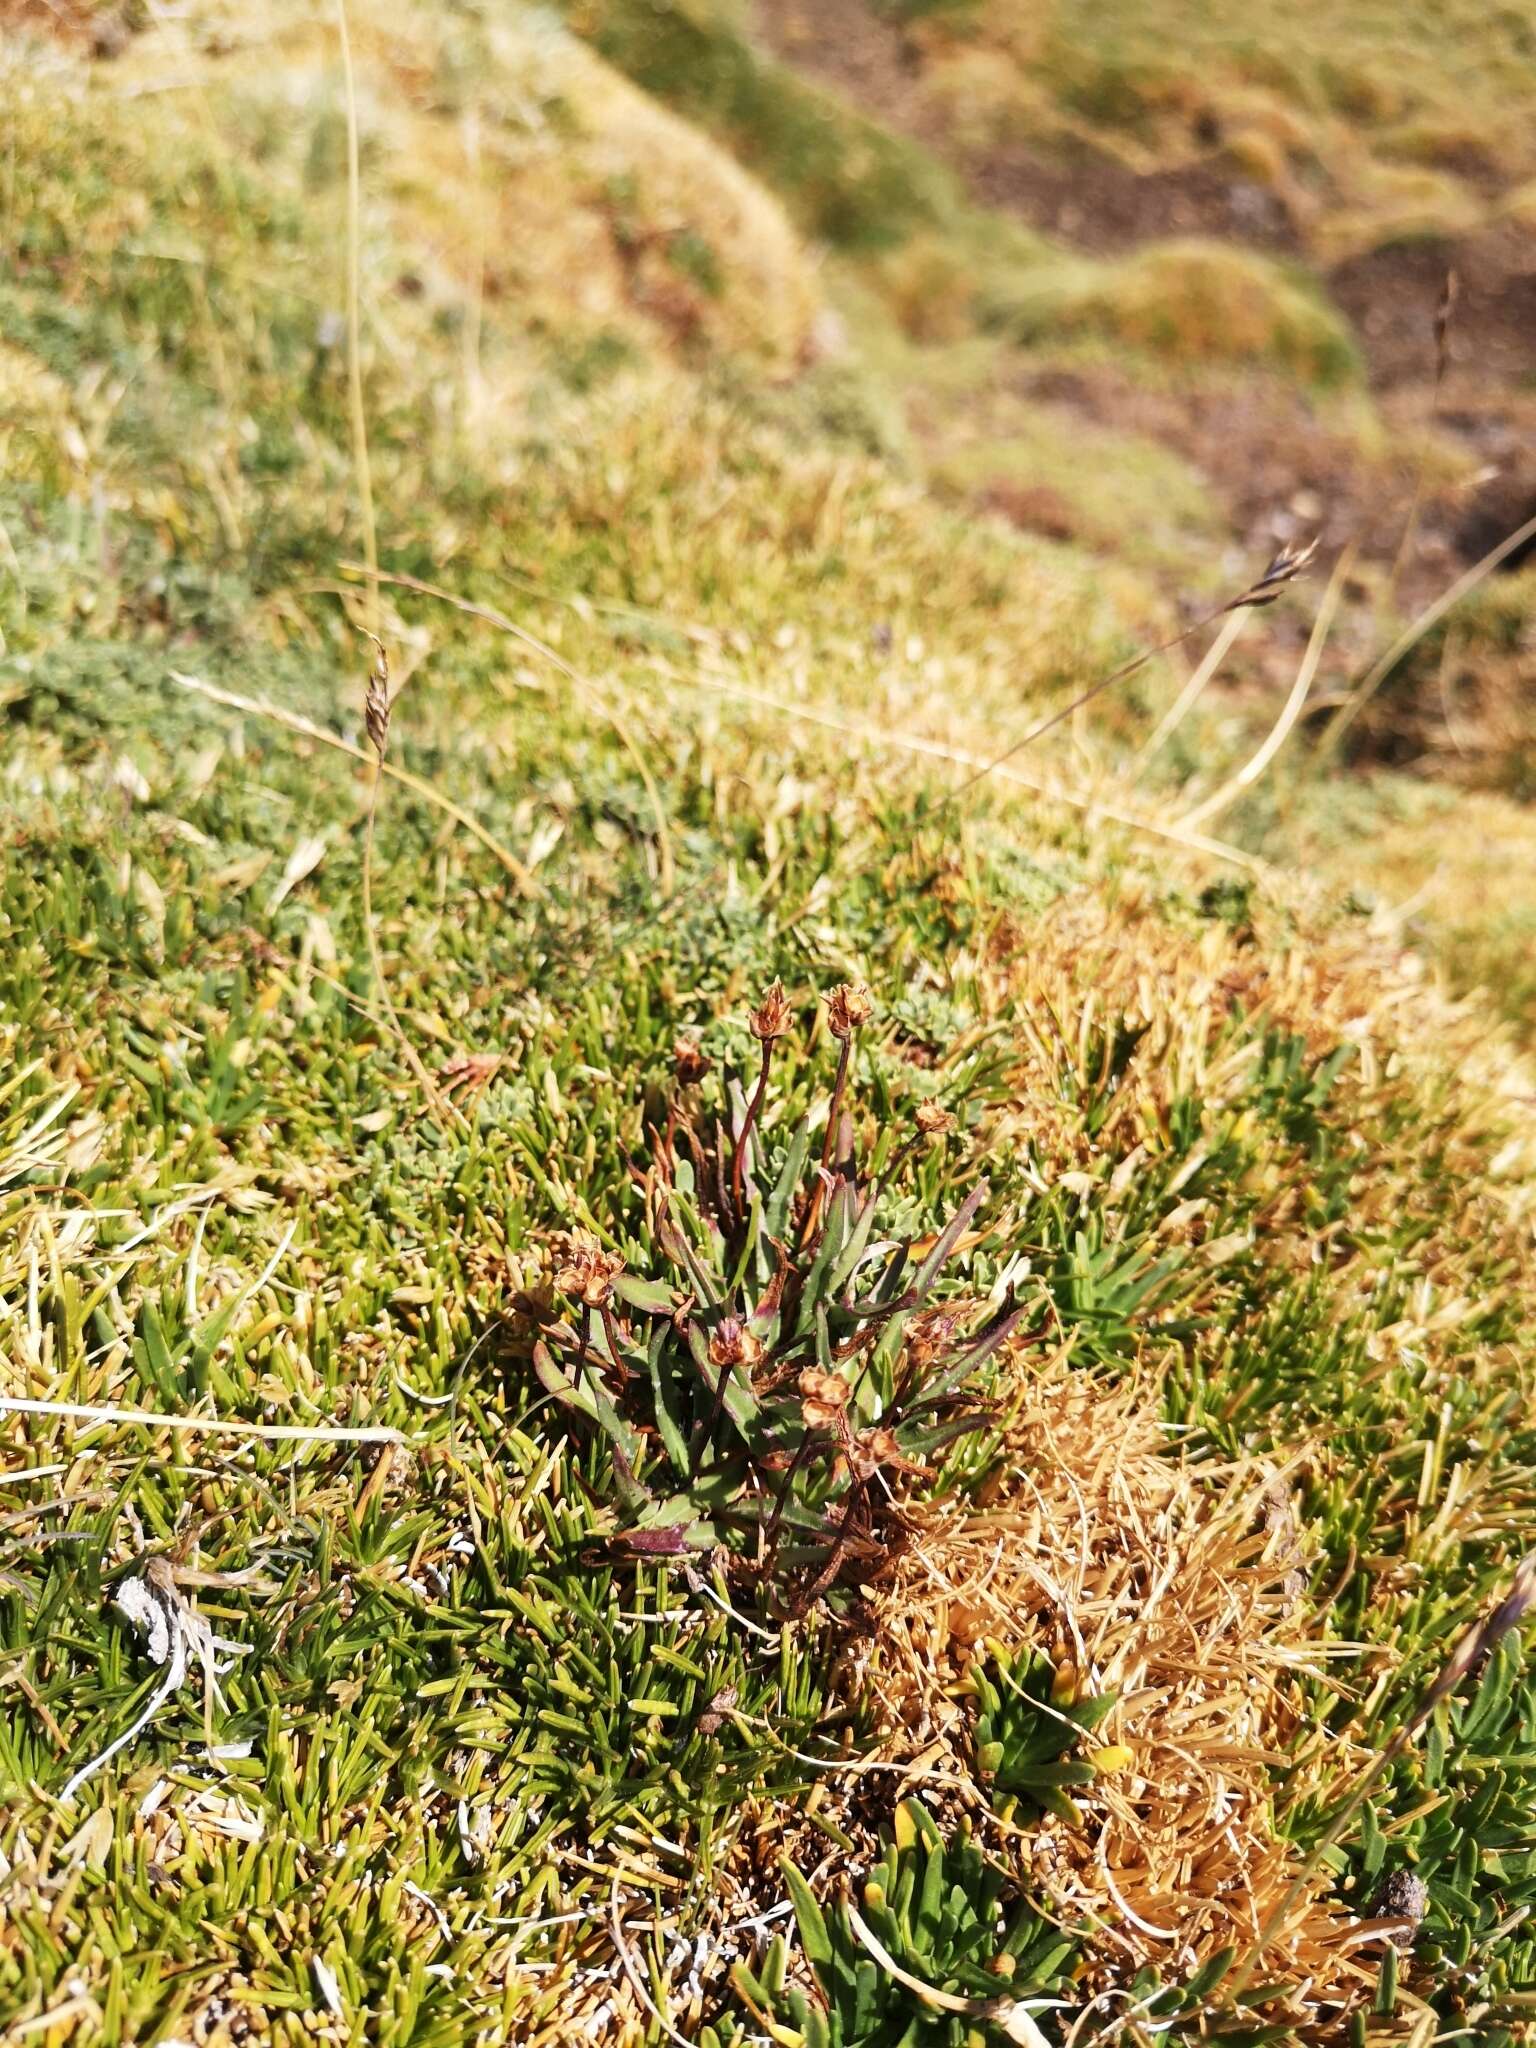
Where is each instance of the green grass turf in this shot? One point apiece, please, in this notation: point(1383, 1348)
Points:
point(466, 1720)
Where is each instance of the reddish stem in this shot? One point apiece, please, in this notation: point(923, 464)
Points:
point(739, 1161)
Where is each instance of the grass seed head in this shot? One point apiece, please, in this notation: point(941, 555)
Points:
point(376, 704)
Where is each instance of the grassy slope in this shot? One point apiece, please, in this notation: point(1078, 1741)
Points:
point(220, 1182)
point(1161, 405)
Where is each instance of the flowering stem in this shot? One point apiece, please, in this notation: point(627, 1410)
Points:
point(834, 1107)
point(829, 1143)
point(611, 1332)
point(747, 1122)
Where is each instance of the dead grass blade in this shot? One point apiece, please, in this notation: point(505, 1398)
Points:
point(1413, 633)
point(1010, 2015)
point(939, 750)
point(211, 1425)
point(1290, 711)
point(376, 717)
point(1185, 702)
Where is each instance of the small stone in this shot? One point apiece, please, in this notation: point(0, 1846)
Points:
point(1402, 1896)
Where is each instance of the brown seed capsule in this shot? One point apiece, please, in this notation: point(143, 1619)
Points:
point(690, 1062)
point(849, 1005)
point(770, 1019)
point(876, 1450)
point(933, 1119)
point(583, 1269)
point(823, 1397)
point(731, 1343)
point(931, 1332)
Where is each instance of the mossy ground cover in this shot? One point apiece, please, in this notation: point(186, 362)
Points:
point(1242, 1164)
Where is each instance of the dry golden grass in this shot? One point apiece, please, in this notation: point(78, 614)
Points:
point(1173, 1589)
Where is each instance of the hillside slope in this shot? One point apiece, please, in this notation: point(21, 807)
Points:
point(439, 1058)
point(1171, 284)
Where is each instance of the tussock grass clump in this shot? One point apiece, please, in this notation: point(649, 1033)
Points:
point(849, 181)
point(1196, 302)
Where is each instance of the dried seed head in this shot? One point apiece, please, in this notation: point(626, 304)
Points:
point(770, 1019)
point(823, 1398)
point(690, 1062)
point(933, 1119)
point(1482, 1639)
point(876, 1450)
point(1285, 566)
point(584, 1270)
point(931, 1333)
point(376, 703)
point(849, 1005)
point(732, 1343)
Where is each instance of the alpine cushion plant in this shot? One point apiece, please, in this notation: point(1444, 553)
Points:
point(1029, 1720)
point(760, 1394)
point(944, 1913)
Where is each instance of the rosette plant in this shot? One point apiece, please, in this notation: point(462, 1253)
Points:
point(762, 1394)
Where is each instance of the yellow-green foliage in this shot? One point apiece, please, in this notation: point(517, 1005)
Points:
point(1195, 302)
point(1247, 1172)
point(1116, 491)
point(1395, 202)
point(1318, 102)
point(588, 206)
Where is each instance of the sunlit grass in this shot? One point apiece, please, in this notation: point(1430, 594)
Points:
point(1238, 1154)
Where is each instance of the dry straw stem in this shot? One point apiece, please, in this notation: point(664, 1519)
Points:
point(208, 1425)
point(376, 714)
point(307, 729)
point(1290, 711)
point(535, 645)
point(1185, 702)
point(1445, 314)
point(355, 404)
point(1427, 619)
point(939, 750)
point(378, 706)
point(1136, 1576)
